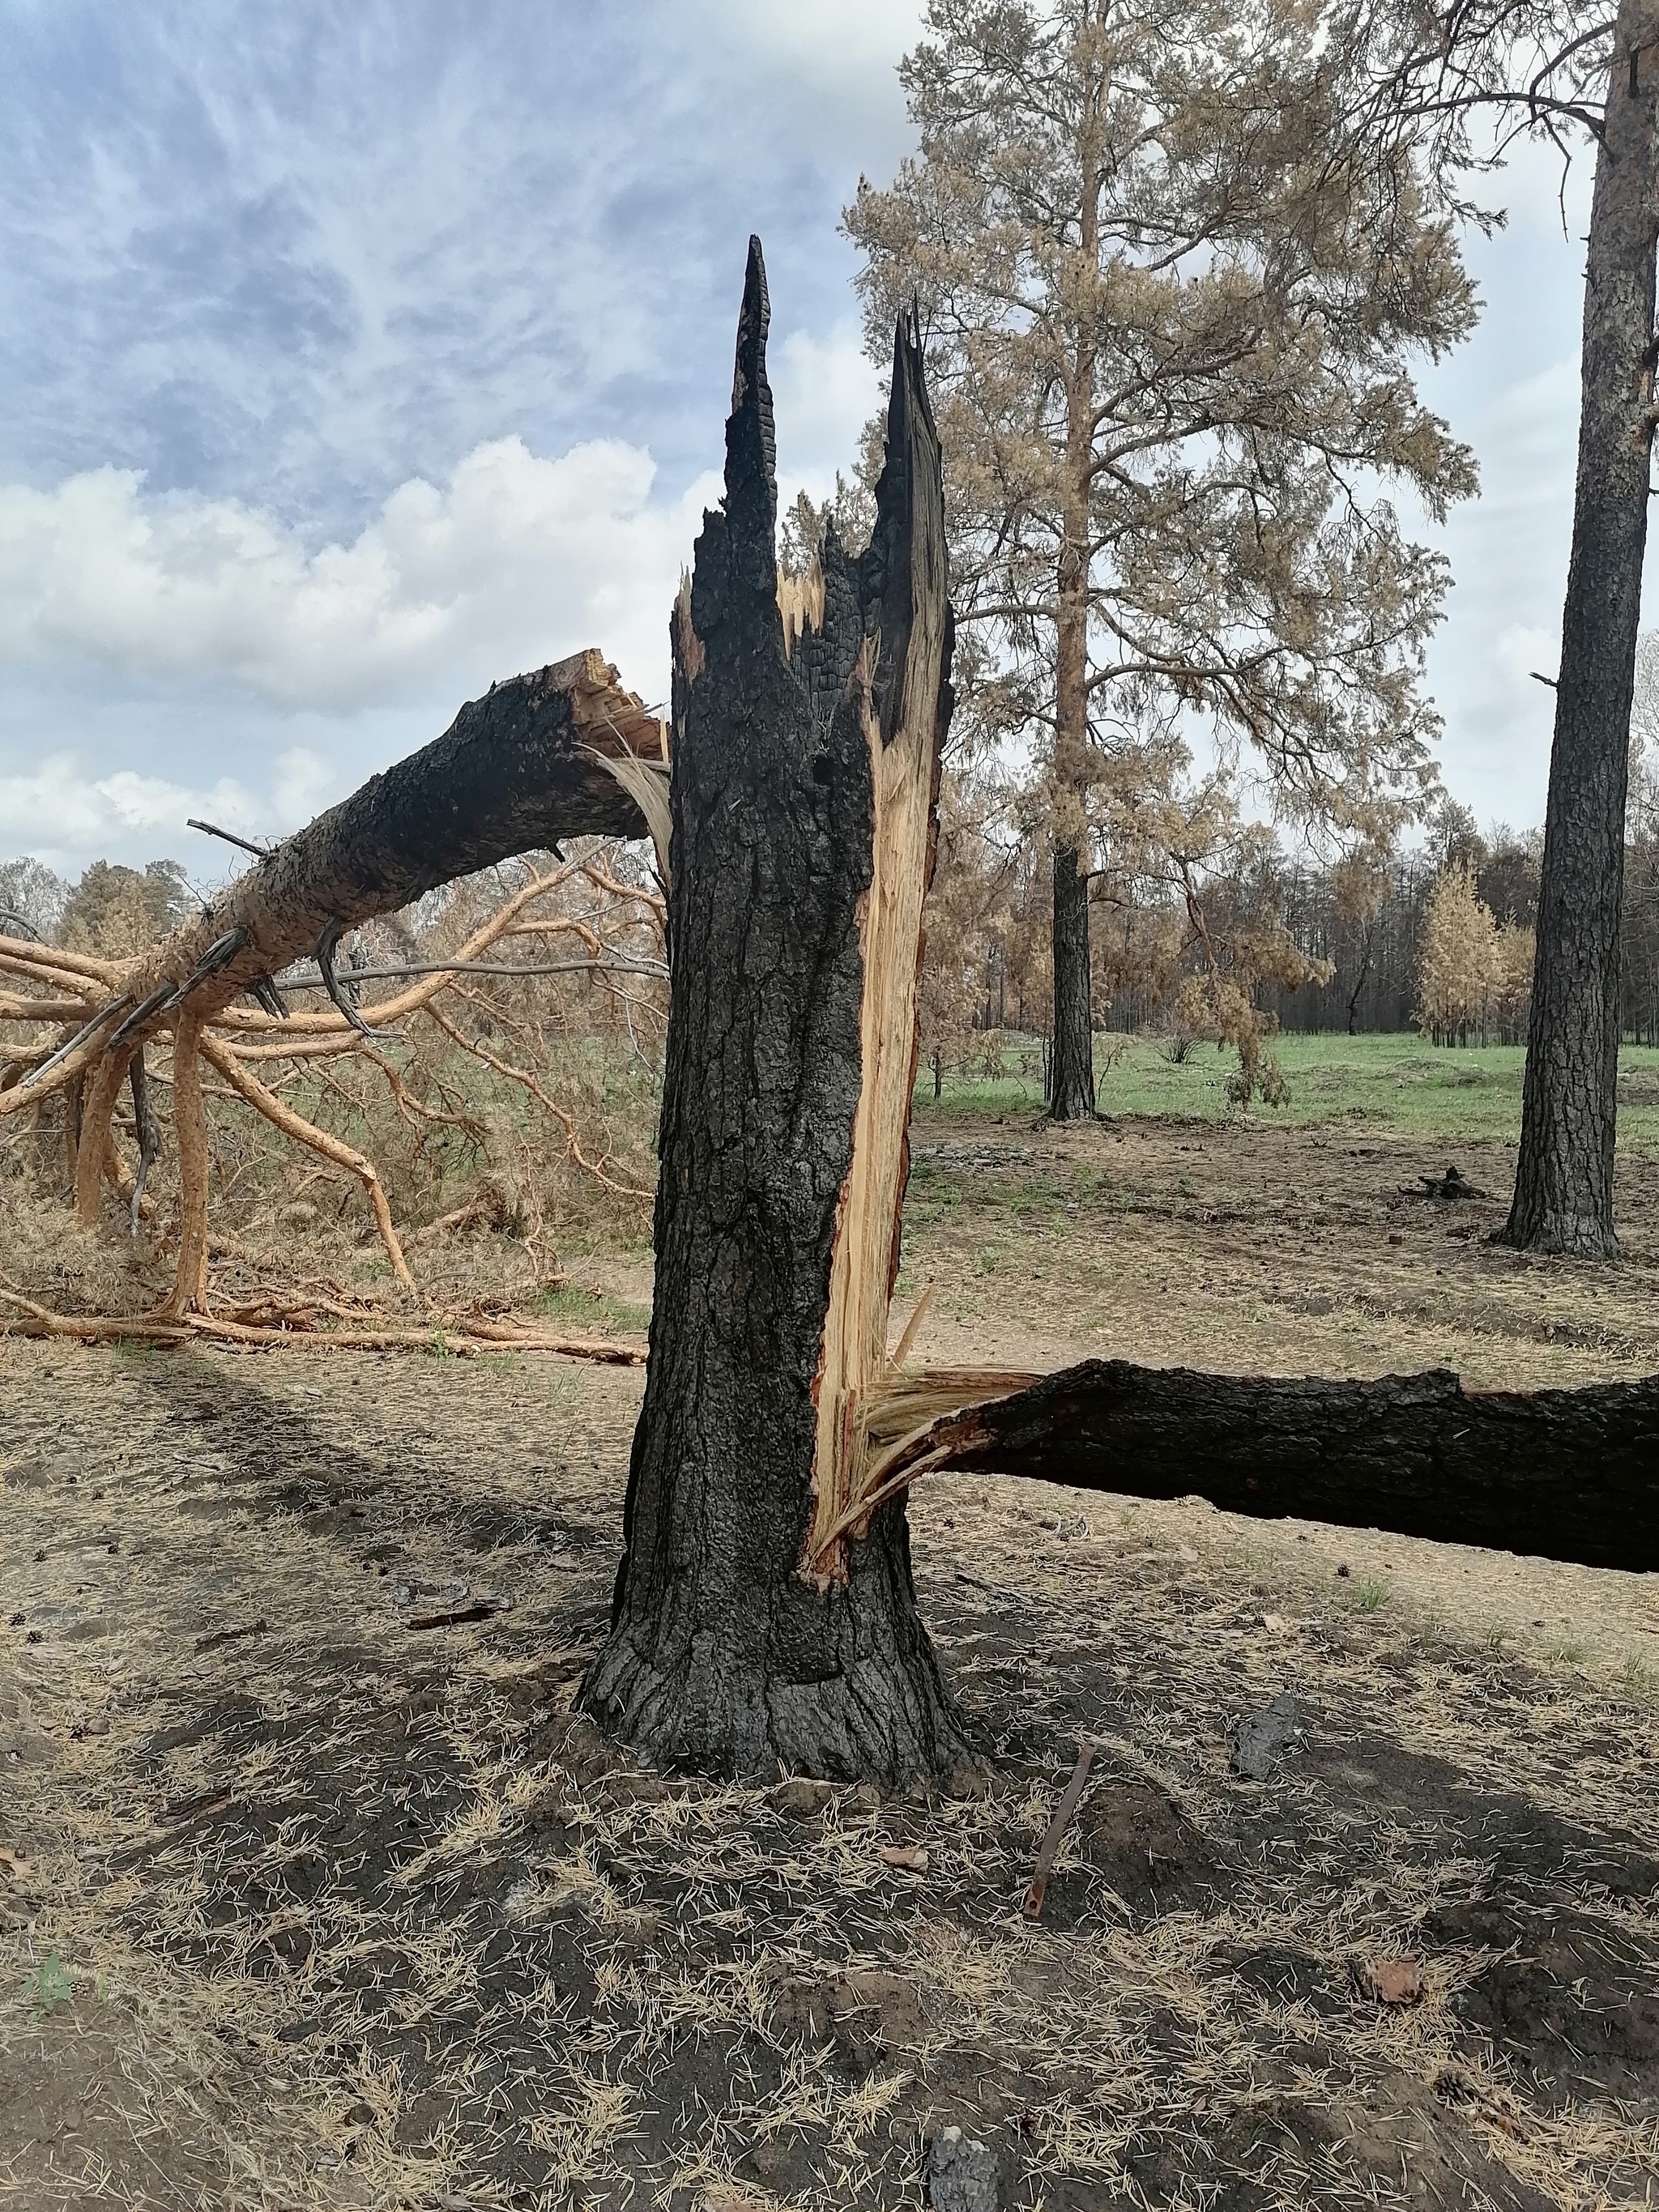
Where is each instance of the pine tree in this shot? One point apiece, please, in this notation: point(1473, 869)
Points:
point(1458, 966)
point(1168, 324)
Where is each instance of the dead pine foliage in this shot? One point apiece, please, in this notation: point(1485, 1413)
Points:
point(429, 1036)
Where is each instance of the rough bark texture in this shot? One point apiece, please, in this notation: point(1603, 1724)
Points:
point(1072, 1070)
point(1564, 1179)
point(1561, 1475)
point(726, 1653)
point(1071, 1079)
point(515, 771)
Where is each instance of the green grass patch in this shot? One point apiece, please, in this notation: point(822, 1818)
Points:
point(1398, 1083)
point(592, 1312)
point(134, 1351)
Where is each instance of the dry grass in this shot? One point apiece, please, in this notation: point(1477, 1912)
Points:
point(352, 1916)
point(1258, 1249)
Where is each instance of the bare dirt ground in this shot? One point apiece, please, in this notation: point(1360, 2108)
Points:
point(303, 1905)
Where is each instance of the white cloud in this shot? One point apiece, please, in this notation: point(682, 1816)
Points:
point(1525, 649)
point(834, 69)
point(60, 810)
point(219, 623)
point(516, 560)
point(824, 391)
point(301, 785)
point(847, 40)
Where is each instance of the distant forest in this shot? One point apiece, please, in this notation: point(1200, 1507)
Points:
point(1377, 955)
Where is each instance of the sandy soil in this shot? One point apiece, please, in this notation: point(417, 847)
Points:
point(301, 1905)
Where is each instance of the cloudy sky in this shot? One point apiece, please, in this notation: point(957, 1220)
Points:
point(357, 354)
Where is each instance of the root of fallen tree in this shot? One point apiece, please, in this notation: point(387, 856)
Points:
point(561, 753)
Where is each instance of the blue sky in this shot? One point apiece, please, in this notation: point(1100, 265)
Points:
point(357, 355)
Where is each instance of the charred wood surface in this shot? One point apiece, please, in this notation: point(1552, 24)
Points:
point(1564, 1182)
point(1071, 1068)
point(1558, 1475)
point(804, 769)
point(515, 771)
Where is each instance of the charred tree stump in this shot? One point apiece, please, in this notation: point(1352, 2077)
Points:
point(760, 1620)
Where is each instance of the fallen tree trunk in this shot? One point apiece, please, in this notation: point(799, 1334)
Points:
point(519, 768)
point(1560, 1474)
point(564, 751)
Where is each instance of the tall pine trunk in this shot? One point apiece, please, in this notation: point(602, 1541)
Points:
point(759, 1622)
point(1071, 1084)
point(1071, 1089)
point(1563, 1197)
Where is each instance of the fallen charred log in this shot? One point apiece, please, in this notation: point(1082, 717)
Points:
point(564, 751)
point(1558, 1475)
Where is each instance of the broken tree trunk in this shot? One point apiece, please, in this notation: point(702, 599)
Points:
point(562, 752)
point(1561, 1475)
point(759, 1620)
point(518, 769)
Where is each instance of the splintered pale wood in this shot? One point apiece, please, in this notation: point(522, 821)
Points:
point(904, 770)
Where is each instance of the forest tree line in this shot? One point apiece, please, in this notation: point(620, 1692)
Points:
point(1312, 946)
point(1436, 936)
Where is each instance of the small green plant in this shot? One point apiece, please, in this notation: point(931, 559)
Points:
point(52, 1984)
point(593, 1310)
point(1564, 1651)
point(132, 1353)
point(1370, 1594)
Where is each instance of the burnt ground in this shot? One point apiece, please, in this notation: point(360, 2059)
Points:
point(301, 1905)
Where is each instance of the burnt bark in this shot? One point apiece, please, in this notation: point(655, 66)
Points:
point(1072, 1081)
point(514, 772)
point(1563, 1185)
point(734, 1646)
point(1558, 1475)
point(1071, 1084)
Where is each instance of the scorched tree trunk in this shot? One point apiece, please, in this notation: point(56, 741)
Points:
point(1071, 1082)
point(761, 1621)
point(1563, 1177)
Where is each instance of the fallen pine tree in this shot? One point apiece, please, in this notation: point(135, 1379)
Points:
point(562, 752)
point(1561, 1475)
